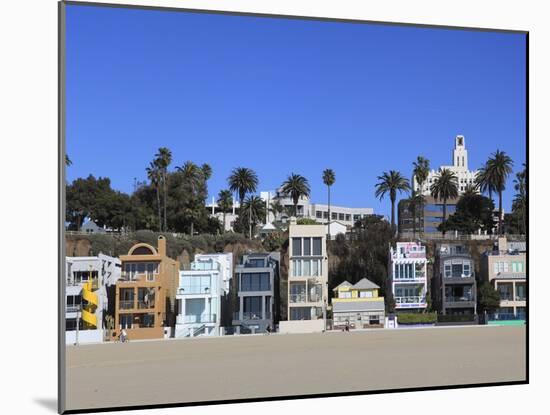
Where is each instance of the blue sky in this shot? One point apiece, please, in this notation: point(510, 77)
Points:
point(282, 96)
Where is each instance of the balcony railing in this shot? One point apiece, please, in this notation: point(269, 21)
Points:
point(126, 304)
point(469, 275)
point(72, 308)
point(459, 299)
point(202, 318)
point(297, 298)
point(410, 300)
point(146, 304)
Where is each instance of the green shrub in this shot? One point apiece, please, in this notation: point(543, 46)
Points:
point(416, 318)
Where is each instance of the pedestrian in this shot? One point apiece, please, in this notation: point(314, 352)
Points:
point(347, 326)
point(123, 336)
point(268, 329)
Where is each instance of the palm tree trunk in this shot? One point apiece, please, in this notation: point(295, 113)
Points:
point(328, 214)
point(250, 220)
point(393, 215)
point(158, 209)
point(164, 191)
point(500, 212)
point(414, 219)
point(192, 228)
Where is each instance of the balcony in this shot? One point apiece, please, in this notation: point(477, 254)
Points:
point(191, 319)
point(126, 305)
point(252, 315)
point(72, 308)
point(410, 300)
point(146, 304)
point(297, 298)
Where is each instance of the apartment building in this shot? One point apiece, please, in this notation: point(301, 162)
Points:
point(203, 295)
point(145, 294)
point(454, 288)
point(358, 304)
point(257, 282)
point(88, 282)
point(505, 268)
point(407, 276)
point(307, 278)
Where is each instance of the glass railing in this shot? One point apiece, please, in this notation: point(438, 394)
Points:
point(410, 300)
point(297, 298)
point(202, 318)
point(126, 304)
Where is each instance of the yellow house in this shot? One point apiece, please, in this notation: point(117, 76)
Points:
point(358, 304)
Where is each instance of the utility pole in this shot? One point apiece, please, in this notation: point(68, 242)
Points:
point(78, 313)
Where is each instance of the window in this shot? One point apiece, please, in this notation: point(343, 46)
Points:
point(296, 246)
point(520, 292)
point(365, 294)
point(356, 217)
point(325, 215)
point(196, 284)
point(341, 216)
point(256, 281)
point(296, 268)
point(256, 262)
point(307, 246)
point(307, 268)
point(318, 214)
point(334, 216)
point(344, 294)
point(315, 267)
point(348, 217)
point(317, 246)
point(300, 313)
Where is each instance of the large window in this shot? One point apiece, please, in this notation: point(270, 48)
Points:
point(296, 246)
point(307, 246)
point(520, 292)
point(300, 313)
point(506, 291)
point(196, 284)
point(457, 268)
point(317, 248)
point(256, 281)
point(252, 305)
point(344, 294)
point(306, 267)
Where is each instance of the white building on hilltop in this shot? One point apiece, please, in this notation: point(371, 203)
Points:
point(459, 167)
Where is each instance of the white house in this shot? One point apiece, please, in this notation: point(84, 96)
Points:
point(87, 282)
point(408, 275)
point(201, 294)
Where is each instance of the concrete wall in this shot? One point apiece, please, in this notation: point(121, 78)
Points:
point(301, 326)
point(84, 336)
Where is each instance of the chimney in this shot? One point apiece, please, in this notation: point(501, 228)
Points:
point(162, 245)
point(502, 244)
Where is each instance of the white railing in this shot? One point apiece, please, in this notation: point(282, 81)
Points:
point(410, 300)
point(457, 237)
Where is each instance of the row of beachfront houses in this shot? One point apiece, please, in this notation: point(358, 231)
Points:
point(146, 293)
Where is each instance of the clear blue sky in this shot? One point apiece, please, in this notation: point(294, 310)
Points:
point(282, 96)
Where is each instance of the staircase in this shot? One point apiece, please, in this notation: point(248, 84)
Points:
point(88, 311)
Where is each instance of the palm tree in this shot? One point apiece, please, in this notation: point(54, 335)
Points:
point(295, 186)
point(192, 175)
point(444, 187)
point(154, 176)
point(391, 182)
point(484, 182)
point(421, 171)
point(254, 206)
point(225, 203)
point(243, 180)
point(499, 167)
point(328, 179)
point(206, 171)
point(520, 200)
point(164, 158)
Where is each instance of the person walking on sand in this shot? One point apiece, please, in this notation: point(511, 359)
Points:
point(347, 326)
point(123, 336)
